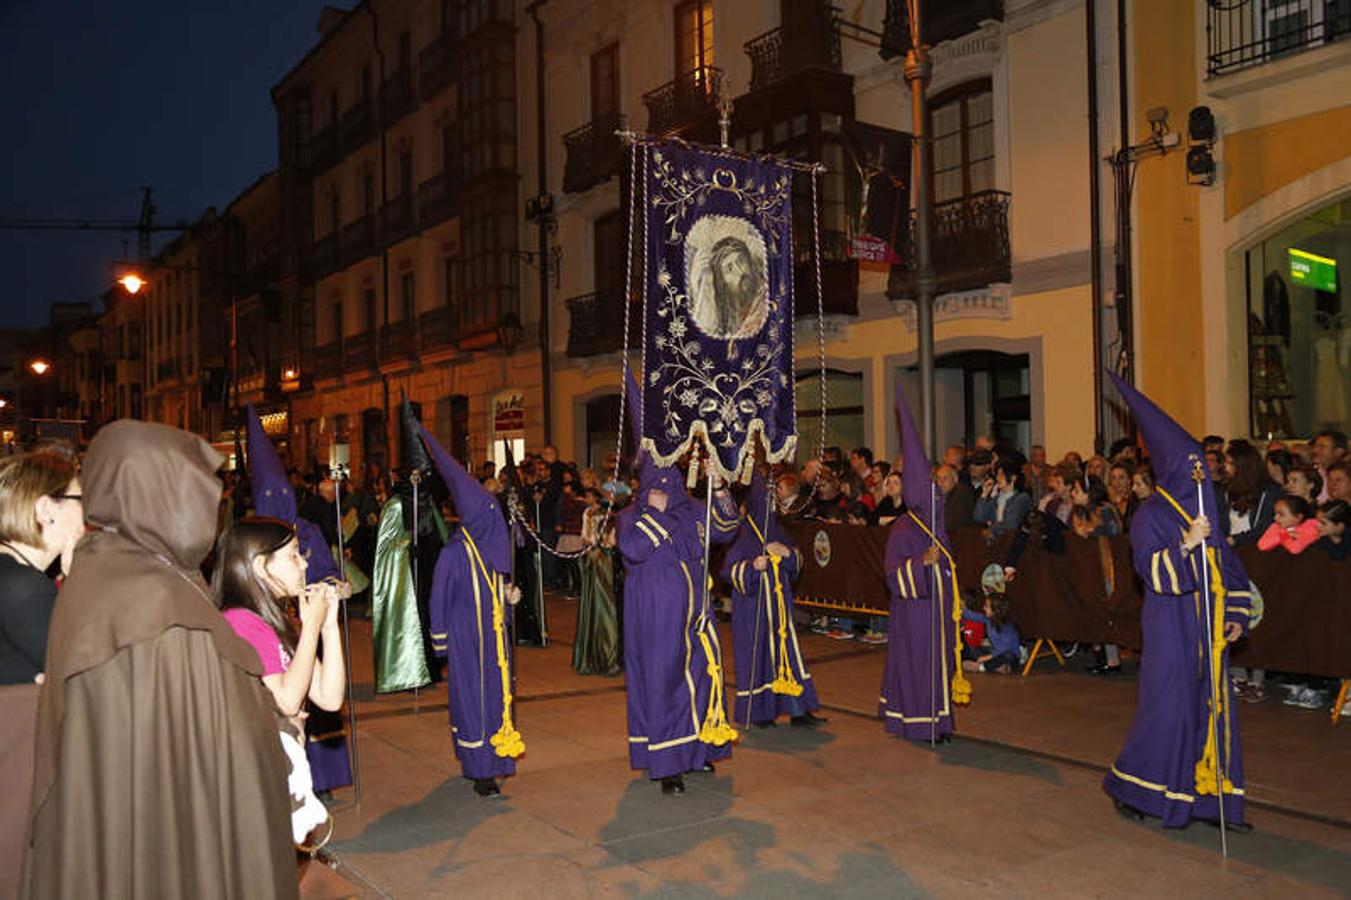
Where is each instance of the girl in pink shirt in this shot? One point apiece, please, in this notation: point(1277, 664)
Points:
point(1295, 527)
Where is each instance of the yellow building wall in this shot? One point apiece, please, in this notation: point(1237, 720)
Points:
point(1259, 161)
point(1168, 320)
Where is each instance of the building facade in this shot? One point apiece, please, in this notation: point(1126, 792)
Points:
point(399, 152)
point(1012, 175)
point(1244, 326)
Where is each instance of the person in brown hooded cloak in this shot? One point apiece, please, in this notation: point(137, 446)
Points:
point(158, 769)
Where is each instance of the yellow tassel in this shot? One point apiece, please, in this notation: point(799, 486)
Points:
point(507, 741)
point(715, 729)
point(786, 683)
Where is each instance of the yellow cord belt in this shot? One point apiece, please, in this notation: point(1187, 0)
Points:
point(715, 729)
point(961, 687)
point(785, 681)
point(507, 741)
point(1207, 770)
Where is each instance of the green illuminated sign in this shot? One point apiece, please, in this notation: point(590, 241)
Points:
point(1313, 271)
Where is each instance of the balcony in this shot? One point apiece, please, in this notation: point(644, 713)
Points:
point(358, 352)
point(684, 101)
point(438, 199)
point(396, 220)
point(1239, 35)
point(358, 240)
point(970, 246)
point(437, 327)
point(326, 149)
point(777, 54)
point(596, 325)
point(594, 153)
point(436, 66)
point(358, 125)
point(325, 258)
point(327, 362)
point(396, 341)
point(397, 97)
point(839, 279)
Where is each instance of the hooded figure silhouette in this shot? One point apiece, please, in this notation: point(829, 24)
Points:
point(1169, 767)
point(672, 660)
point(771, 676)
point(470, 607)
point(922, 680)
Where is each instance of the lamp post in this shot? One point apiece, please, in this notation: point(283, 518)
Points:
point(918, 69)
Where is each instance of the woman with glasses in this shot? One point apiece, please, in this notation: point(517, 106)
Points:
point(41, 519)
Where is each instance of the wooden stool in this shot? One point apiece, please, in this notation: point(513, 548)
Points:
point(1039, 653)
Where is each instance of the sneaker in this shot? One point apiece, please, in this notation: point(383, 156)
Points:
point(820, 625)
point(872, 637)
point(1293, 692)
point(1309, 699)
point(1251, 693)
point(839, 634)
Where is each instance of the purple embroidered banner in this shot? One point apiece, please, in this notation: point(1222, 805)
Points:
point(718, 327)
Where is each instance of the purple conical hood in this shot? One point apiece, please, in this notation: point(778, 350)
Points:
point(917, 484)
point(650, 475)
point(1173, 453)
point(478, 509)
point(272, 495)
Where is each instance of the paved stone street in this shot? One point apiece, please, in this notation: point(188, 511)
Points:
point(1012, 807)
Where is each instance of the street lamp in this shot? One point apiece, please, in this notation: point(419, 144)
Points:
point(132, 283)
point(40, 366)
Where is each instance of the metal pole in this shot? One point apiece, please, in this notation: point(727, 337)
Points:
point(1211, 663)
point(337, 474)
point(917, 71)
point(539, 583)
point(542, 176)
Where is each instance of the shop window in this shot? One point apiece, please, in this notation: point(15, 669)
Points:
point(1299, 327)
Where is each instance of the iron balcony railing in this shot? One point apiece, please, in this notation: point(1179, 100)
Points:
point(438, 199)
point(326, 149)
point(596, 323)
point(358, 125)
point(327, 361)
point(437, 327)
point(358, 240)
point(396, 219)
point(594, 153)
point(1243, 33)
point(397, 97)
point(325, 257)
point(683, 100)
point(969, 246)
point(436, 65)
point(777, 54)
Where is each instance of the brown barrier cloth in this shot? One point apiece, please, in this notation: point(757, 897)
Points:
point(18, 724)
point(1306, 629)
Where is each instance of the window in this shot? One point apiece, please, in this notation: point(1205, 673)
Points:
point(368, 305)
point(334, 211)
point(693, 35)
point(605, 83)
point(1299, 327)
point(962, 124)
point(609, 254)
point(450, 151)
point(337, 321)
point(368, 193)
point(407, 296)
point(843, 416)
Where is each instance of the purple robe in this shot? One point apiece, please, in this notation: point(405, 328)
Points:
point(1156, 770)
point(669, 632)
point(756, 619)
point(465, 596)
point(916, 700)
point(326, 732)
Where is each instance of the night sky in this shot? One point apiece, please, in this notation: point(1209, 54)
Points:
point(105, 97)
